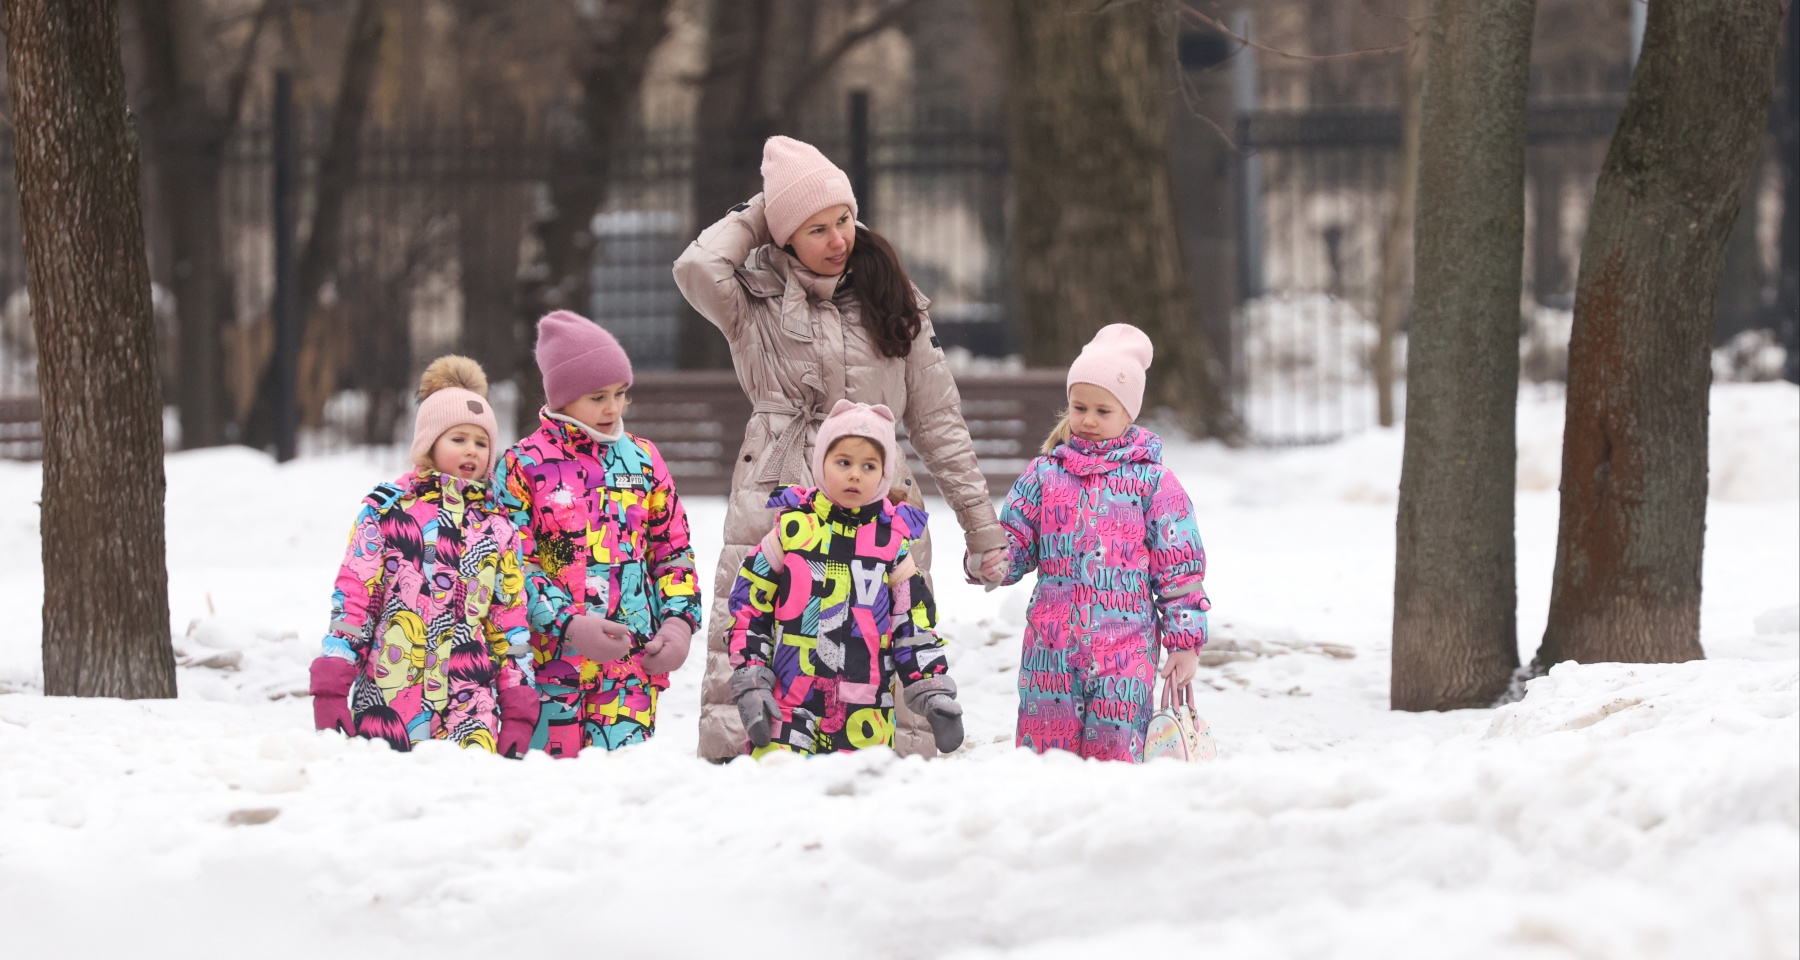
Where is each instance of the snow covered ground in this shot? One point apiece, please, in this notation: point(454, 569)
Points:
point(1615, 811)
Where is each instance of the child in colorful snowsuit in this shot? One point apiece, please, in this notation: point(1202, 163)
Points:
point(428, 615)
point(830, 607)
point(609, 574)
point(1112, 536)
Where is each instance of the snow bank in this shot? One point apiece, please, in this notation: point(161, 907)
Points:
point(1605, 814)
point(1616, 811)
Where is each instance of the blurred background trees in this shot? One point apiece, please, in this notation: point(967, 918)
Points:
point(463, 165)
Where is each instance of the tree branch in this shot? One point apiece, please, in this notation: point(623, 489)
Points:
point(1191, 13)
point(823, 63)
point(240, 77)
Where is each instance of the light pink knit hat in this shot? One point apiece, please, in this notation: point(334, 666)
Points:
point(798, 182)
point(1115, 360)
point(452, 392)
point(577, 357)
point(872, 423)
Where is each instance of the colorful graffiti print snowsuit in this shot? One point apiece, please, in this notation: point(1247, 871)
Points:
point(429, 605)
point(1112, 536)
point(601, 531)
point(824, 622)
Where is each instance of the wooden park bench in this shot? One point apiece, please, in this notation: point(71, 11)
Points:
point(696, 418)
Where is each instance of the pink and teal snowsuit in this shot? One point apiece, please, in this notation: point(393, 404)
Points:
point(1112, 536)
point(600, 531)
point(430, 606)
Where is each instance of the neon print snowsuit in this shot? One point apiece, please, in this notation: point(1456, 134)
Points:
point(1112, 537)
point(429, 605)
point(601, 531)
point(815, 602)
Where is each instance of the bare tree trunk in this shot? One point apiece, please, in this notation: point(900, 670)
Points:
point(1628, 548)
point(1787, 135)
point(335, 178)
point(1396, 240)
point(106, 597)
point(1097, 240)
point(187, 140)
point(620, 39)
point(730, 124)
point(1455, 593)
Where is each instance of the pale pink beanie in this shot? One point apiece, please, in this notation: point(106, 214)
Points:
point(798, 182)
point(872, 423)
point(577, 357)
point(1115, 360)
point(452, 392)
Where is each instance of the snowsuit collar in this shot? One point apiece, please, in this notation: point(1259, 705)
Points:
point(1085, 458)
point(814, 500)
point(595, 435)
point(578, 437)
point(453, 489)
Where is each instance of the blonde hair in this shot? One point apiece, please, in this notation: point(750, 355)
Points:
point(1059, 434)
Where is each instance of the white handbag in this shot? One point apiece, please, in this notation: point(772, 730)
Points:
point(1176, 730)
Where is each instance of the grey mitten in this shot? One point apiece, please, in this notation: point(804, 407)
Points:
point(934, 698)
point(753, 687)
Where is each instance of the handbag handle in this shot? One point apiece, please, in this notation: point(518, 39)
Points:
point(1175, 697)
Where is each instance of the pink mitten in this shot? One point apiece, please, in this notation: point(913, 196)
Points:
point(597, 638)
point(331, 679)
point(668, 650)
point(518, 720)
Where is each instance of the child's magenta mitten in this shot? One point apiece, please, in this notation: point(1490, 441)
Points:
point(519, 708)
point(331, 679)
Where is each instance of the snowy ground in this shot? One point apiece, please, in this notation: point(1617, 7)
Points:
point(1616, 811)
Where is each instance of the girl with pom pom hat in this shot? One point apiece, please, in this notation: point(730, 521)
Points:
point(1096, 631)
point(428, 613)
point(817, 309)
point(609, 573)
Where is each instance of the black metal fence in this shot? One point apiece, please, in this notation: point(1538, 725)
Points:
point(437, 228)
point(436, 234)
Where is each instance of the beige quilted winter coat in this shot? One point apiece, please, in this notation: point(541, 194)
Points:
point(799, 348)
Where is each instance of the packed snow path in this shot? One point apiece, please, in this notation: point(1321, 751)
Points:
point(1616, 811)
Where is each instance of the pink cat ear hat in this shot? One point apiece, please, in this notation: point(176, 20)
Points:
point(872, 423)
point(1115, 361)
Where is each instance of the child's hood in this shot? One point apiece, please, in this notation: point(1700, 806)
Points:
point(1085, 459)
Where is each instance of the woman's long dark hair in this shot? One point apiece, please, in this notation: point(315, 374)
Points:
point(890, 307)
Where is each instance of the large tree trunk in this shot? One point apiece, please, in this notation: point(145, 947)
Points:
point(621, 37)
point(1096, 236)
point(106, 600)
point(1627, 584)
point(1455, 634)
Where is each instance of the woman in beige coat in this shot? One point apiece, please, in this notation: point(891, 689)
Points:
point(817, 309)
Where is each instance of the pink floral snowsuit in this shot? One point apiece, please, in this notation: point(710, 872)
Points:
point(430, 606)
point(1112, 536)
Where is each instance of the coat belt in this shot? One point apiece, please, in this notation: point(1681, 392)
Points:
point(786, 459)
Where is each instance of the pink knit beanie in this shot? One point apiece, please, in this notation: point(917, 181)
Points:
point(798, 182)
point(874, 424)
point(577, 357)
point(1115, 360)
point(452, 392)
